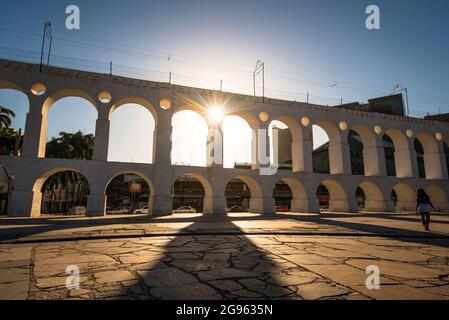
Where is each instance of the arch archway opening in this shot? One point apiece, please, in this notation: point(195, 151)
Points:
point(188, 195)
point(131, 137)
point(70, 133)
point(389, 151)
point(283, 197)
point(333, 196)
point(320, 153)
point(189, 139)
point(356, 153)
point(64, 193)
point(238, 196)
point(238, 139)
point(14, 106)
point(128, 193)
point(420, 158)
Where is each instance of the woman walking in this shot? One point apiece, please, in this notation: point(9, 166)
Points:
point(423, 206)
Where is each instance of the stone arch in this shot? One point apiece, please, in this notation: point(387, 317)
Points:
point(146, 105)
point(406, 197)
point(64, 93)
point(136, 173)
point(295, 154)
point(402, 159)
point(18, 101)
point(371, 159)
point(49, 102)
point(39, 183)
point(432, 161)
point(301, 201)
point(374, 198)
point(438, 198)
point(336, 152)
point(208, 205)
point(339, 201)
point(134, 100)
point(256, 204)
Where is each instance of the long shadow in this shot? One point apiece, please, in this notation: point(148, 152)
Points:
point(212, 267)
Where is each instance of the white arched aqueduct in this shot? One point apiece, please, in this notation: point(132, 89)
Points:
point(108, 93)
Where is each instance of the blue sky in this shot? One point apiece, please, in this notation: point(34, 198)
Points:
point(306, 45)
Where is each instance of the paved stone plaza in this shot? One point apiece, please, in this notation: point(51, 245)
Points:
point(244, 256)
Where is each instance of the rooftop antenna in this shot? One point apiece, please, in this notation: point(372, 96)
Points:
point(400, 88)
point(47, 35)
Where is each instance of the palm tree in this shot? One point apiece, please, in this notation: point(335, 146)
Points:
point(6, 116)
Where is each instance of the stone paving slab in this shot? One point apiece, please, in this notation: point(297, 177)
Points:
point(241, 257)
point(226, 267)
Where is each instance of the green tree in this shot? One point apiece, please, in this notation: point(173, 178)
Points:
point(10, 142)
point(6, 117)
point(71, 146)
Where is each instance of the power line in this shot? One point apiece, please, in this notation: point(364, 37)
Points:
point(163, 55)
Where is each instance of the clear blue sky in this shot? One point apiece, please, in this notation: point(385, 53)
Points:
point(306, 45)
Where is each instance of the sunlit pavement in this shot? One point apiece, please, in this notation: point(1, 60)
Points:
point(289, 256)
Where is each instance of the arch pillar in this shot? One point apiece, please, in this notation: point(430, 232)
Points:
point(302, 150)
point(214, 147)
point(25, 203)
point(96, 205)
point(339, 158)
point(35, 129)
point(434, 164)
point(162, 200)
point(215, 205)
point(102, 127)
point(374, 159)
point(406, 162)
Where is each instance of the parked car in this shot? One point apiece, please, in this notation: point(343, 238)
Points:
point(120, 210)
point(77, 211)
point(143, 210)
point(236, 209)
point(282, 208)
point(185, 209)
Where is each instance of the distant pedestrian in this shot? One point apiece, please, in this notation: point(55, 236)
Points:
point(423, 207)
